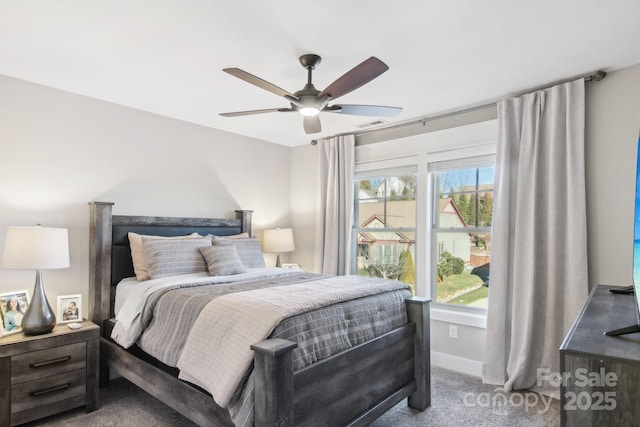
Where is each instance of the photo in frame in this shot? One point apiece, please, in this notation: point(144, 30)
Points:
point(13, 305)
point(70, 308)
point(291, 266)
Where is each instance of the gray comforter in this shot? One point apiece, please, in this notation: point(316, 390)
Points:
point(169, 314)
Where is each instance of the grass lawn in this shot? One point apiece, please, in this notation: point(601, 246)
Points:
point(456, 285)
point(469, 297)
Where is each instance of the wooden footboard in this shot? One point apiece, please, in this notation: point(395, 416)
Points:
point(339, 390)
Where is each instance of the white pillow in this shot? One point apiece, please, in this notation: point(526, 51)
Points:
point(137, 252)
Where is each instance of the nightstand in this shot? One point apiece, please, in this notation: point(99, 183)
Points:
point(46, 374)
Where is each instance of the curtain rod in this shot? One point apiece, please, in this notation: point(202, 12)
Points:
point(596, 77)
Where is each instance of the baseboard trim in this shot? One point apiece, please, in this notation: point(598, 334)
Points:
point(458, 364)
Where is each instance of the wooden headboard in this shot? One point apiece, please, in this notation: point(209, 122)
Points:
point(110, 254)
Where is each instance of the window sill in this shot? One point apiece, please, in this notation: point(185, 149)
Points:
point(444, 314)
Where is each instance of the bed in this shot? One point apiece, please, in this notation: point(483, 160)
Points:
point(351, 387)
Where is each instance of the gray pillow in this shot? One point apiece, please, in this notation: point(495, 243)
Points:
point(249, 250)
point(165, 257)
point(222, 260)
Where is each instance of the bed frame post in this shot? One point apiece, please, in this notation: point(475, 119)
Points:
point(100, 234)
point(418, 313)
point(100, 261)
point(245, 216)
point(273, 367)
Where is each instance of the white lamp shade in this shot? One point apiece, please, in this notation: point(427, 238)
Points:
point(36, 248)
point(278, 240)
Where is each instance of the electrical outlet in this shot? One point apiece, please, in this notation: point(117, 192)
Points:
point(453, 331)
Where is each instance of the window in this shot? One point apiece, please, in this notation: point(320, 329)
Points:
point(384, 232)
point(441, 146)
point(461, 231)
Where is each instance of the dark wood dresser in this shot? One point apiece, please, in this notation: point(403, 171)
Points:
point(47, 374)
point(601, 374)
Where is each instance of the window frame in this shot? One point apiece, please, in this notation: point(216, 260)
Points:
point(434, 171)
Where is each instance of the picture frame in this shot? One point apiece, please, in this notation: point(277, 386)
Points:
point(291, 266)
point(13, 305)
point(70, 308)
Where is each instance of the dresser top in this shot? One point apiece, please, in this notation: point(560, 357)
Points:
point(605, 311)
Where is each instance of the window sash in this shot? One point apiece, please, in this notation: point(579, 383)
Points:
point(437, 230)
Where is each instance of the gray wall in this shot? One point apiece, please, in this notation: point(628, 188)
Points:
point(59, 151)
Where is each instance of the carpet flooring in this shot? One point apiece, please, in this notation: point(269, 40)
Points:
point(456, 400)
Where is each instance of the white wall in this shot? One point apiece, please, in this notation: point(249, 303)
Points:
point(613, 124)
point(58, 151)
point(305, 174)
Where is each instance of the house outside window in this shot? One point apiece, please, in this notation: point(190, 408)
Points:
point(461, 232)
point(384, 229)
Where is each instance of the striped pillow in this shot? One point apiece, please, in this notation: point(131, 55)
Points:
point(249, 250)
point(137, 252)
point(222, 260)
point(166, 257)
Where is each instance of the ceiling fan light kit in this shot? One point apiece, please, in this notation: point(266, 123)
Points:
point(309, 101)
point(309, 111)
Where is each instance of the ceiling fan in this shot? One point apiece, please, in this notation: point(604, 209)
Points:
point(310, 102)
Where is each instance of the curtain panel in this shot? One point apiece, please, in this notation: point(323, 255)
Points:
point(337, 165)
point(539, 240)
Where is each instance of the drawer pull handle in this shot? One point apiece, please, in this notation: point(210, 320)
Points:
point(49, 390)
point(50, 362)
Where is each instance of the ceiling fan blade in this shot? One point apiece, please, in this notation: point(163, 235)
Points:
point(312, 124)
point(251, 112)
point(257, 81)
point(364, 110)
point(356, 77)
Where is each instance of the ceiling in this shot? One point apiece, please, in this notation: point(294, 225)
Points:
point(166, 56)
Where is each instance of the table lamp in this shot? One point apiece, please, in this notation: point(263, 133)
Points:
point(36, 248)
point(278, 240)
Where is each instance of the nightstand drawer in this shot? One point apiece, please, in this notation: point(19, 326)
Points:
point(45, 391)
point(43, 363)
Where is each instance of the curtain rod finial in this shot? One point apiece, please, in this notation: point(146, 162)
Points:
point(314, 142)
point(599, 75)
point(596, 77)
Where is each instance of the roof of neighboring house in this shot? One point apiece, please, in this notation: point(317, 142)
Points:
point(446, 202)
point(400, 213)
point(383, 234)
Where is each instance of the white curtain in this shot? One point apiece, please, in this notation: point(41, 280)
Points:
point(337, 163)
point(538, 279)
